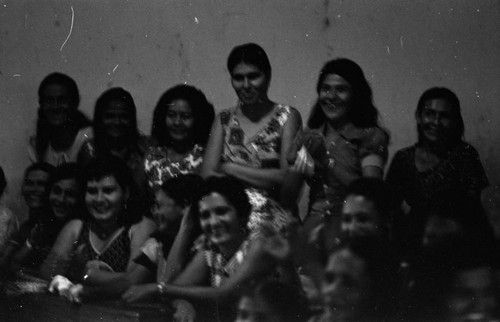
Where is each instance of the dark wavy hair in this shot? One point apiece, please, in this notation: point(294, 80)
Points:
point(68, 171)
point(447, 95)
point(77, 119)
point(108, 165)
point(234, 193)
point(251, 54)
point(101, 105)
point(203, 114)
point(361, 112)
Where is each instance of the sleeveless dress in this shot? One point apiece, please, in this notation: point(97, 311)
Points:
point(262, 151)
point(115, 255)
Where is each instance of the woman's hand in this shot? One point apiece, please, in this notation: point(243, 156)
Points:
point(183, 311)
point(137, 293)
point(304, 163)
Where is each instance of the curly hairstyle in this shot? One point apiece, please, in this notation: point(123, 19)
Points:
point(234, 193)
point(252, 54)
point(102, 104)
point(203, 114)
point(77, 119)
point(447, 95)
point(361, 112)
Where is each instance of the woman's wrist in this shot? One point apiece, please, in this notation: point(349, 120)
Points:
point(162, 289)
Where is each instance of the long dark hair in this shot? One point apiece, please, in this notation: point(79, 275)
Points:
point(203, 114)
point(361, 112)
point(447, 95)
point(77, 119)
point(100, 138)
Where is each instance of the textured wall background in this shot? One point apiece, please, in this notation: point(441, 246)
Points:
point(146, 46)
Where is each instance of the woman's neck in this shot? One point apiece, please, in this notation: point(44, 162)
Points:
point(228, 250)
point(438, 149)
point(257, 111)
point(62, 137)
point(336, 127)
point(179, 150)
point(104, 229)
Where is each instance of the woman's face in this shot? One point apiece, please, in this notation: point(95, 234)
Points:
point(436, 122)
point(56, 104)
point(335, 97)
point(345, 285)
point(360, 217)
point(117, 119)
point(34, 188)
point(105, 198)
point(63, 198)
point(250, 83)
point(165, 210)
point(219, 220)
point(180, 120)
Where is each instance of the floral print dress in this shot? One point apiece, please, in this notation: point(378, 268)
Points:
point(261, 151)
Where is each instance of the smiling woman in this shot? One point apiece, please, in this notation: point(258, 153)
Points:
point(181, 126)
point(101, 247)
point(65, 202)
point(61, 128)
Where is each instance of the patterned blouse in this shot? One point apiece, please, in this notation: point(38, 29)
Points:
point(460, 173)
point(221, 268)
point(159, 168)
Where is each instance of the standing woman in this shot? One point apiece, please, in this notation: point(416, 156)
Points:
point(181, 127)
point(343, 142)
point(440, 164)
point(61, 128)
point(250, 141)
point(116, 134)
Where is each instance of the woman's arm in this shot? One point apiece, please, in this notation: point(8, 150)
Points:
point(56, 261)
point(211, 159)
point(268, 178)
point(179, 254)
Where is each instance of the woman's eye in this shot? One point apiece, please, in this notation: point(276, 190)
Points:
point(108, 190)
point(91, 191)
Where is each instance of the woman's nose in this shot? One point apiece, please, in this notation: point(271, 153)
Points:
point(246, 82)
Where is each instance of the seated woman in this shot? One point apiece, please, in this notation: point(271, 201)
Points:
point(439, 164)
point(61, 128)
point(181, 127)
point(250, 141)
point(65, 203)
point(343, 142)
point(359, 282)
point(34, 190)
point(231, 258)
point(116, 133)
point(102, 246)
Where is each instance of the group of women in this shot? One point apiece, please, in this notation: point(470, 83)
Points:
point(211, 240)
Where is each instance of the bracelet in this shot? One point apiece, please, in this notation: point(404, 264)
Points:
point(162, 288)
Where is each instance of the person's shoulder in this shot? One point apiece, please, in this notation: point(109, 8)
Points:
point(145, 224)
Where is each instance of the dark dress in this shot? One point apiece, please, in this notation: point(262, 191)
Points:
point(459, 174)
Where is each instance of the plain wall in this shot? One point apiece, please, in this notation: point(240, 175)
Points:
point(404, 47)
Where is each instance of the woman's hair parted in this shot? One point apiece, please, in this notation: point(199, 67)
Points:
point(202, 109)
